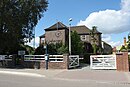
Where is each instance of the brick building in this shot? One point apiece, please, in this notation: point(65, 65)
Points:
point(60, 33)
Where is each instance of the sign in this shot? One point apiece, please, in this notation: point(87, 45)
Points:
point(46, 57)
point(21, 52)
point(44, 47)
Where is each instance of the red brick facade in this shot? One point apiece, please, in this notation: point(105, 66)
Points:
point(56, 65)
point(122, 61)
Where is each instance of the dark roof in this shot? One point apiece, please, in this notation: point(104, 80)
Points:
point(96, 31)
point(42, 36)
point(81, 29)
point(106, 43)
point(58, 25)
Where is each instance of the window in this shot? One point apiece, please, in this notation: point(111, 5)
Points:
point(83, 37)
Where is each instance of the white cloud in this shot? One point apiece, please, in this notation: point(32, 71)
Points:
point(115, 44)
point(110, 21)
point(107, 38)
point(32, 42)
point(125, 5)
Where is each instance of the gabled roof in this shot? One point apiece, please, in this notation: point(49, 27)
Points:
point(58, 25)
point(81, 29)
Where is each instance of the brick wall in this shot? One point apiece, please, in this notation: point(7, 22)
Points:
point(50, 36)
point(122, 61)
point(56, 65)
point(51, 65)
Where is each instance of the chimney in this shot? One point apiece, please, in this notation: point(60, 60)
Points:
point(124, 41)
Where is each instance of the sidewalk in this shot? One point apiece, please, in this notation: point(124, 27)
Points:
point(96, 75)
point(108, 76)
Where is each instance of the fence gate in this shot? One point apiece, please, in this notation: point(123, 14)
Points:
point(103, 62)
point(73, 61)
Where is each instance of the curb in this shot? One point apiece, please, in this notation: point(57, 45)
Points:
point(95, 81)
point(22, 73)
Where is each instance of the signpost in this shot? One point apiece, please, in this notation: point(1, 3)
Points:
point(19, 61)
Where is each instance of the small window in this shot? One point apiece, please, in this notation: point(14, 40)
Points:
point(83, 37)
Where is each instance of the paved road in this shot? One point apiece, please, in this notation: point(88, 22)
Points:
point(9, 80)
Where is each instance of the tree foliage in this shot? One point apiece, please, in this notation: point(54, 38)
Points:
point(39, 50)
point(57, 48)
point(62, 50)
point(17, 21)
point(76, 43)
point(128, 46)
point(94, 40)
point(123, 48)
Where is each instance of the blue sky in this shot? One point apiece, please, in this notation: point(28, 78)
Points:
point(110, 16)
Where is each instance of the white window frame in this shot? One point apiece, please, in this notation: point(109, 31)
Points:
point(83, 37)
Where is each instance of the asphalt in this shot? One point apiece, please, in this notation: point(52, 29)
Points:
point(80, 74)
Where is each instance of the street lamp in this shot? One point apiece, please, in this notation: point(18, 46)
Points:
point(35, 63)
point(70, 36)
point(46, 57)
point(34, 40)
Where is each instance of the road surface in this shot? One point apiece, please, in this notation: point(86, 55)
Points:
point(8, 80)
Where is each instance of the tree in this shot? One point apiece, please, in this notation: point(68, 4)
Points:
point(39, 50)
point(51, 48)
point(123, 48)
point(17, 21)
point(63, 49)
point(128, 46)
point(76, 43)
point(57, 48)
point(94, 40)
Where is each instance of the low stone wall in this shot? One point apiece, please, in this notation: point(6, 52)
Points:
point(122, 61)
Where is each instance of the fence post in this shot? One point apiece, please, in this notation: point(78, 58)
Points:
point(122, 61)
point(14, 60)
point(66, 60)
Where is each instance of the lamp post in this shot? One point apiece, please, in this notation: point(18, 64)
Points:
point(34, 40)
point(70, 36)
point(35, 63)
point(46, 57)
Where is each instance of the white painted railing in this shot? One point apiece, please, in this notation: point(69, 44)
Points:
point(128, 53)
point(52, 58)
point(103, 62)
point(6, 57)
